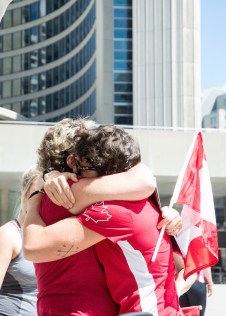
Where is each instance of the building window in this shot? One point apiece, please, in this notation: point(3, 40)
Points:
point(123, 62)
point(224, 102)
point(213, 120)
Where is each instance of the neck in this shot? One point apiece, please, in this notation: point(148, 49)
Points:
point(21, 219)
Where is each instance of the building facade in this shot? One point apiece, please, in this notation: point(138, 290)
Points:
point(155, 62)
point(130, 62)
point(47, 59)
point(217, 117)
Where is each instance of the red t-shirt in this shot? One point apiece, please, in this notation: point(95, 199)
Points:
point(135, 283)
point(74, 285)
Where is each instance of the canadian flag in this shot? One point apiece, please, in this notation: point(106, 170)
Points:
point(198, 238)
point(3, 6)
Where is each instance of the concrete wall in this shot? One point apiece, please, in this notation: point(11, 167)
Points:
point(166, 63)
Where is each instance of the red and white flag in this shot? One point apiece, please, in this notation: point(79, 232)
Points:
point(3, 6)
point(197, 240)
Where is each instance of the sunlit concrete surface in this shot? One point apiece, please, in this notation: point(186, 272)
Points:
point(216, 304)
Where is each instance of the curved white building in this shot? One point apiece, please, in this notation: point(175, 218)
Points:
point(47, 59)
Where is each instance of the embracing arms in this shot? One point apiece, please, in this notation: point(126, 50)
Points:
point(47, 243)
point(43, 243)
point(135, 184)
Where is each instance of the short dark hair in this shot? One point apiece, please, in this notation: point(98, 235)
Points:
point(108, 148)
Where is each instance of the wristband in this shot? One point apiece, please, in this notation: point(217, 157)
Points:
point(47, 171)
point(36, 192)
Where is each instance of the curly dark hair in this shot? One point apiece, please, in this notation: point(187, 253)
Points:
point(59, 142)
point(108, 148)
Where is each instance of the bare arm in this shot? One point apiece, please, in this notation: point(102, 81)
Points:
point(130, 185)
point(8, 239)
point(135, 184)
point(182, 285)
point(209, 280)
point(48, 243)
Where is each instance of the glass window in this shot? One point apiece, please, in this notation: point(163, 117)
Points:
point(123, 77)
point(213, 120)
point(16, 87)
point(123, 98)
point(7, 19)
point(7, 66)
point(16, 63)
point(122, 13)
point(123, 3)
point(6, 89)
point(123, 109)
point(123, 23)
point(123, 87)
point(16, 17)
point(34, 34)
point(122, 33)
point(122, 45)
point(7, 42)
point(124, 120)
point(33, 108)
point(42, 105)
point(123, 55)
point(34, 11)
point(34, 83)
point(122, 65)
point(16, 107)
point(16, 40)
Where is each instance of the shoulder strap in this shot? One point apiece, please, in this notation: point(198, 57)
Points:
point(18, 224)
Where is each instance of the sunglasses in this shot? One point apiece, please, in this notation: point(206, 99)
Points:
point(82, 168)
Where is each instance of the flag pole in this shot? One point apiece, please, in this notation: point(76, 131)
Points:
point(175, 194)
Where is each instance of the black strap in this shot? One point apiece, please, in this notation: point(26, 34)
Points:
point(18, 223)
point(36, 192)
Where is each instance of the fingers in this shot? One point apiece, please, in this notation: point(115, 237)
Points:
point(210, 289)
point(173, 231)
point(172, 220)
point(58, 190)
point(71, 176)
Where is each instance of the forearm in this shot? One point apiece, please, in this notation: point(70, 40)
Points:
point(43, 243)
point(182, 285)
point(33, 227)
point(135, 184)
point(208, 276)
point(209, 281)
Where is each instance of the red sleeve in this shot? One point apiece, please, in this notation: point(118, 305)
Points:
point(112, 220)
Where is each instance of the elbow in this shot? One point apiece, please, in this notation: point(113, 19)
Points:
point(27, 252)
point(31, 255)
point(150, 186)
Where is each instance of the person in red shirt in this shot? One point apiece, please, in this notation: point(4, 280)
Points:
point(124, 233)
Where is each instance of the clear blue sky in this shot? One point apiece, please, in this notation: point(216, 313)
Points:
point(213, 43)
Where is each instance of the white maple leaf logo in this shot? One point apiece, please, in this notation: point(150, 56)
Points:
point(99, 208)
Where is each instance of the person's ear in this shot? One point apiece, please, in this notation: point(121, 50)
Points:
point(70, 161)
